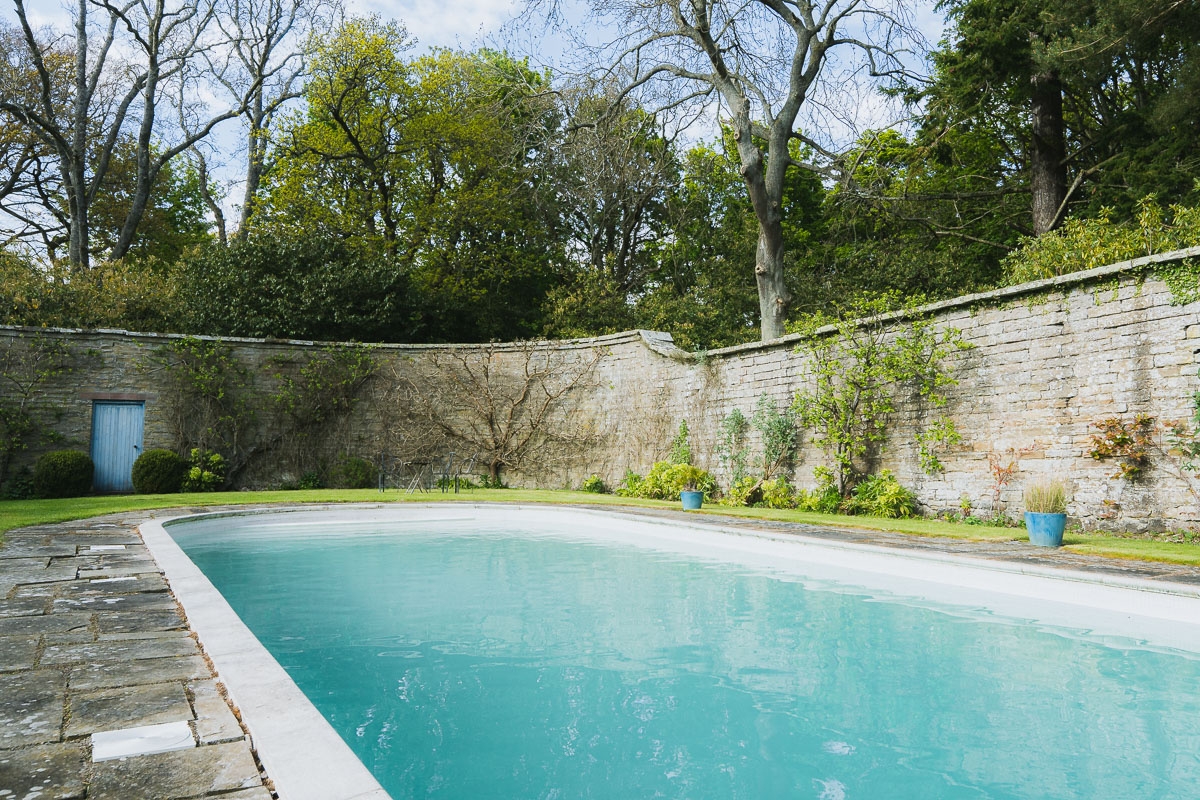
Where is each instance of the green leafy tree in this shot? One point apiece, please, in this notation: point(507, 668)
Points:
point(311, 286)
point(427, 160)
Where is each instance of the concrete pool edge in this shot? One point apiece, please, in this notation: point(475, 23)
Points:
point(302, 754)
point(306, 758)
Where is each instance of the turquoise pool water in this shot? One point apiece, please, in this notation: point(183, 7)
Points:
point(465, 660)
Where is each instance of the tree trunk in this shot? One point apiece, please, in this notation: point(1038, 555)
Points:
point(256, 151)
point(773, 296)
point(1047, 153)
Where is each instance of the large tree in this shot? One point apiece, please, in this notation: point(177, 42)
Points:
point(132, 76)
point(431, 161)
point(759, 64)
point(1093, 101)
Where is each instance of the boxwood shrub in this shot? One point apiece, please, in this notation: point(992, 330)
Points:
point(158, 472)
point(63, 473)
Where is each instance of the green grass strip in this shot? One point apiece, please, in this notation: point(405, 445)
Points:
point(19, 513)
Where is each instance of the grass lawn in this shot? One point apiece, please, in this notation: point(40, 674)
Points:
point(18, 513)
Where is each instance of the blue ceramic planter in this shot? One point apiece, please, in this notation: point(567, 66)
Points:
point(1045, 530)
point(691, 500)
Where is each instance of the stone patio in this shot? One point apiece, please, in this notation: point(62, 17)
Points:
point(92, 642)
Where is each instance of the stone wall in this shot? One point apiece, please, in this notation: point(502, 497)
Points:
point(1048, 359)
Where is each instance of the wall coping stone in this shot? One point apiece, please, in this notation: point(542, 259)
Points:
point(657, 341)
point(661, 342)
point(991, 296)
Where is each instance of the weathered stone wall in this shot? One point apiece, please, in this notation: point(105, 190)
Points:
point(1049, 359)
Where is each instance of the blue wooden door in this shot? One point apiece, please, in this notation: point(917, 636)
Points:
point(116, 443)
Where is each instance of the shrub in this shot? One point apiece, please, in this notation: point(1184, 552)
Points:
point(309, 481)
point(594, 484)
point(741, 492)
point(825, 498)
point(778, 493)
point(1046, 497)
point(206, 471)
point(681, 449)
point(630, 485)
point(19, 485)
point(63, 473)
point(882, 496)
point(354, 473)
point(158, 472)
point(665, 481)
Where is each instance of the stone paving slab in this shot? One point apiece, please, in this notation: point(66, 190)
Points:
point(140, 622)
point(118, 651)
point(134, 673)
point(124, 585)
point(92, 641)
point(198, 772)
point(31, 707)
point(115, 603)
point(17, 653)
point(126, 707)
point(45, 772)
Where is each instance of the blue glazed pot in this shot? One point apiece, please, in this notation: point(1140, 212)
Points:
point(691, 500)
point(1045, 530)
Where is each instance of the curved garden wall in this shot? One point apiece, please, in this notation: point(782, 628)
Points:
point(1049, 359)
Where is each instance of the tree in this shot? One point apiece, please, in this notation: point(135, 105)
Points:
point(428, 160)
point(311, 286)
point(761, 63)
point(508, 407)
point(266, 62)
point(1093, 102)
point(131, 65)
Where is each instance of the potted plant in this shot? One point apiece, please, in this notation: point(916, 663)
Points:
point(691, 497)
point(1046, 512)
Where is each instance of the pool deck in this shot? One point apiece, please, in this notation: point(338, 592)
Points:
point(93, 644)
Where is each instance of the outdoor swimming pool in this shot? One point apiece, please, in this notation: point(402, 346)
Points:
point(468, 655)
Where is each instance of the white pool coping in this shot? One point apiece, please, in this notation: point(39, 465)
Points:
point(301, 752)
point(307, 760)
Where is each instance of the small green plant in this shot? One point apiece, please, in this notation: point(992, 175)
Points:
point(19, 485)
point(1126, 440)
point(352, 472)
point(882, 496)
point(778, 493)
point(594, 484)
point(681, 450)
point(309, 481)
point(741, 492)
point(1046, 497)
point(158, 472)
point(732, 452)
point(206, 471)
point(825, 498)
point(487, 482)
point(63, 473)
point(447, 483)
point(630, 484)
point(666, 480)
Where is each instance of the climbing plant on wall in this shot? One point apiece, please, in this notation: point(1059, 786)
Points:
point(26, 414)
point(209, 403)
point(859, 362)
point(314, 401)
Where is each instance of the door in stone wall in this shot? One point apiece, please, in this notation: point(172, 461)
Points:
point(116, 443)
